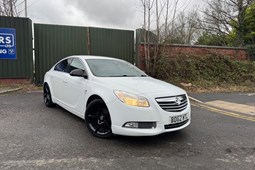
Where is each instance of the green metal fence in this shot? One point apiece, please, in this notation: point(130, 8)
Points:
point(54, 42)
point(112, 43)
point(22, 66)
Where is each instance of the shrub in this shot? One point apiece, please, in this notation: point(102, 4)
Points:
point(250, 49)
point(211, 68)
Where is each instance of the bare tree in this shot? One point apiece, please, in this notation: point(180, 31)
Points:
point(147, 10)
point(161, 25)
point(156, 46)
point(222, 16)
point(185, 29)
point(166, 17)
point(144, 32)
point(192, 30)
point(8, 8)
point(174, 14)
point(182, 25)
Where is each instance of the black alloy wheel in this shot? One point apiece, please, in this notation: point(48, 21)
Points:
point(47, 96)
point(98, 120)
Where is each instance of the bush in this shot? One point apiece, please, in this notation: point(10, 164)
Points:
point(250, 49)
point(211, 68)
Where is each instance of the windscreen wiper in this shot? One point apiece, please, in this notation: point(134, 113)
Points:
point(124, 75)
point(121, 76)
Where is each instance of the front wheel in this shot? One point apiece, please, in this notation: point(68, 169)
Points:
point(98, 120)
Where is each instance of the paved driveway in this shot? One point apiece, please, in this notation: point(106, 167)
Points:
point(35, 137)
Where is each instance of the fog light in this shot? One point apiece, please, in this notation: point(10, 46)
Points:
point(140, 125)
point(131, 125)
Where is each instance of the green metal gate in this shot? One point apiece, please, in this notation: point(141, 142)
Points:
point(54, 42)
point(112, 43)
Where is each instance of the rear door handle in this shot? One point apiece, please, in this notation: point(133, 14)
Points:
point(65, 81)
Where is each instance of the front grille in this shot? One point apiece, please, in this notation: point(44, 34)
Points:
point(173, 103)
point(176, 125)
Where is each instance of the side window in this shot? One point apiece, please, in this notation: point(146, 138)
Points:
point(76, 64)
point(62, 66)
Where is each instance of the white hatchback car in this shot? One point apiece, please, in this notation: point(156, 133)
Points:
point(115, 97)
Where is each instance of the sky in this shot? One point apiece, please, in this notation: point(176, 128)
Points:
point(118, 14)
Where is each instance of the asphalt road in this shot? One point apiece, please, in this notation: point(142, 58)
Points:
point(35, 137)
point(241, 98)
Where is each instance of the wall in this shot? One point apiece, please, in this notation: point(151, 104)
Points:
point(174, 50)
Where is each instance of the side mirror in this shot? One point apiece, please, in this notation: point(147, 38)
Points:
point(78, 73)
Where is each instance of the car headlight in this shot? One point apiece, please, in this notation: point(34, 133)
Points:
point(132, 99)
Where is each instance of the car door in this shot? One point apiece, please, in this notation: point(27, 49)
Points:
point(76, 88)
point(59, 79)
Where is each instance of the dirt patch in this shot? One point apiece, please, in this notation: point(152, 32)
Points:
point(25, 87)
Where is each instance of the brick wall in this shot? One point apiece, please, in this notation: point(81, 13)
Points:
point(174, 50)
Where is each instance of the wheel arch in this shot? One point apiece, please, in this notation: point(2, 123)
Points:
point(48, 84)
point(51, 90)
point(45, 83)
point(93, 97)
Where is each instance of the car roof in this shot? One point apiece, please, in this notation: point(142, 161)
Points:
point(91, 57)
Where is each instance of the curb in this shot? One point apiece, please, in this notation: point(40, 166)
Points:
point(10, 90)
point(221, 110)
point(196, 100)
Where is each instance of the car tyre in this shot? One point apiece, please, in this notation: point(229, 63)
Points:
point(47, 96)
point(98, 120)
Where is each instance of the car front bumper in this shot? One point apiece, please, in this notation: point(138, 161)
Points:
point(145, 132)
point(121, 114)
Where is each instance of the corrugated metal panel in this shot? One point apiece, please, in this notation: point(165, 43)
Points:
point(141, 39)
point(22, 67)
point(141, 36)
point(54, 42)
point(112, 43)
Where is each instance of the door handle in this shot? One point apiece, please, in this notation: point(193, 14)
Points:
point(65, 81)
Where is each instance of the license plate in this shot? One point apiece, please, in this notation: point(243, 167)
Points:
point(178, 119)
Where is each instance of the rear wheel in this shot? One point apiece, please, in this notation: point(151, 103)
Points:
point(47, 96)
point(98, 120)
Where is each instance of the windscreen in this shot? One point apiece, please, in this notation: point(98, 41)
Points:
point(113, 68)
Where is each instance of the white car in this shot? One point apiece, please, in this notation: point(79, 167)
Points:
point(115, 97)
